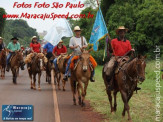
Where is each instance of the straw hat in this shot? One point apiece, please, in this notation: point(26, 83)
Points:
point(34, 37)
point(121, 28)
point(77, 28)
point(60, 41)
point(1, 38)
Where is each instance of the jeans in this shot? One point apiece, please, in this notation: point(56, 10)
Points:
point(55, 63)
point(68, 65)
point(8, 58)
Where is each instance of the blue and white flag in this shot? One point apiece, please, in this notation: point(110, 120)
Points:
point(61, 28)
point(99, 30)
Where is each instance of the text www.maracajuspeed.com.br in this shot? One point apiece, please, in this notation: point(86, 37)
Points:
point(46, 16)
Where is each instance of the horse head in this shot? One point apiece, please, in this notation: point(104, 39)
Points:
point(140, 67)
point(84, 58)
point(19, 57)
point(40, 59)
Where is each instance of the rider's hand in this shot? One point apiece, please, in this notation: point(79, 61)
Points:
point(132, 49)
point(76, 46)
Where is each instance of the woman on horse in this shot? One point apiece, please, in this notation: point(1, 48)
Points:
point(1, 44)
point(35, 45)
point(60, 49)
point(12, 47)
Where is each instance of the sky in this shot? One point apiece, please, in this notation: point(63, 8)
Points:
point(39, 24)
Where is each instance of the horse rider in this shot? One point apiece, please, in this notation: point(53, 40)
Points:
point(48, 49)
point(58, 50)
point(120, 47)
point(1, 44)
point(12, 47)
point(35, 47)
point(76, 43)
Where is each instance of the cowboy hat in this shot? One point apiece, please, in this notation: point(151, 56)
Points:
point(60, 41)
point(34, 37)
point(77, 28)
point(1, 38)
point(14, 38)
point(121, 28)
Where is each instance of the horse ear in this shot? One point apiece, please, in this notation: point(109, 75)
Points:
point(90, 50)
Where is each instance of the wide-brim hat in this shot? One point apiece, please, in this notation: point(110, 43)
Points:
point(77, 28)
point(121, 28)
point(34, 37)
point(60, 41)
point(1, 38)
point(14, 38)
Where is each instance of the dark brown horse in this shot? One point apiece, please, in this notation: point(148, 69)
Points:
point(16, 62)
point(61, 71)
point(2, 63)
point(125, 81)
point(48, 70)
point(80, 78)
point(36, 66)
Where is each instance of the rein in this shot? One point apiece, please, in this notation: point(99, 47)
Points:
point(126, 75)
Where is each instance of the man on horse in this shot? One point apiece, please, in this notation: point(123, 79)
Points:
point(76, 44)
point(12, 47)
point(48, 49)
point(1, 44)
point(60, 49)
point(120, 47)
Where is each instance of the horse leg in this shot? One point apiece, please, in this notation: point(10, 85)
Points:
point(63, 82)
point(82, 93)
point(73, 89)
point(115, 101)
point(39, 76)
point(126, 106)
point(34, 81)
point(31, 81)
point(79, 95)
point(110, 100)
point(58, 80)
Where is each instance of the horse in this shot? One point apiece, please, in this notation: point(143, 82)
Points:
point(80, 76)
point(61, 71)
point(48, 70)
point(16, 61)
point(36, 66)
point(125, 82)
point(2, 63)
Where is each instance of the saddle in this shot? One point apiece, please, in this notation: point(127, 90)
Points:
point(121, 63)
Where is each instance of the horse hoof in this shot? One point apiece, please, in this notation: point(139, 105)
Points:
point(82, 104)
point(31, 87)
point(64, 90)
point(39, 89)
point(34, 88)
point(112, 113)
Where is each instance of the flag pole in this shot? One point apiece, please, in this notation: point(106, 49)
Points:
point(97, 3)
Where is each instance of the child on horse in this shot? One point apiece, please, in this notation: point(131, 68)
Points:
point(12, 47)
point(120, 47)
point(76, 44)
point(60, 49)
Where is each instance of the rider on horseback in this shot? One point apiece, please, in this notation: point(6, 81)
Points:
point(48, 49)
point(60, 49)
point(76, 44)
point(120, 47)
point(12, 47)
point(1, 44)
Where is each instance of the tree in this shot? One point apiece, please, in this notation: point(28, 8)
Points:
point(2, 20)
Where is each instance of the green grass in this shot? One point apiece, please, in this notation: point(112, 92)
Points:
point(142, 105)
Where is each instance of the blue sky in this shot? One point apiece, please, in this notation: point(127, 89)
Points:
point(39, 24)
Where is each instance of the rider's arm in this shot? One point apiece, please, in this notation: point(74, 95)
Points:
point(73, 45)
point(85, 45)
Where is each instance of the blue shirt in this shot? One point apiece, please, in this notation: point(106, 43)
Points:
point(49, 47)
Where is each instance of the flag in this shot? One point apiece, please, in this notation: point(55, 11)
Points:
point(99, 30)
point(61, 28)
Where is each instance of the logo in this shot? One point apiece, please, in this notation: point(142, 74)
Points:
point(17, 112)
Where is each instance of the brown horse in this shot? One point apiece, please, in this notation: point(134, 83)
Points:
point(48, 70)
point(61, 71)
point(16, 62)
point(2, 63)
point(80, 76)
point(36, 66)
point(125, 81)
